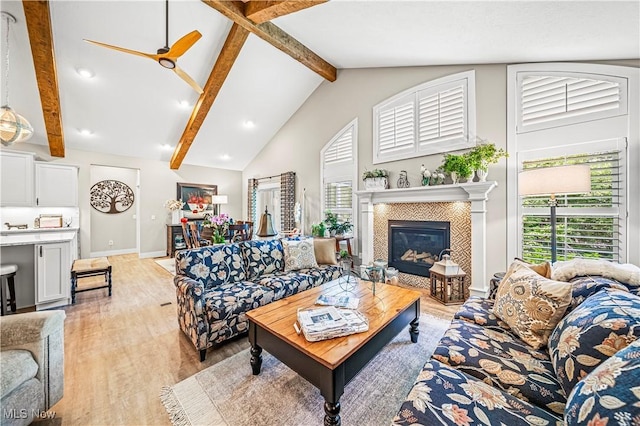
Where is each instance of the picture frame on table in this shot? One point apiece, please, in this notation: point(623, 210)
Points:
point(196, 199)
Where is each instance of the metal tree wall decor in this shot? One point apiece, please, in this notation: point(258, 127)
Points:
point(111, 196)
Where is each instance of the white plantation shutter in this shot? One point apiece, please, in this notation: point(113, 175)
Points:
point(588, 225)
point(433, 117)
point(396, 125)
point(553, 99)
point(340, 150)
point(338, 165)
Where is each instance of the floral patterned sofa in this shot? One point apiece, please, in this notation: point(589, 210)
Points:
point(217, 285)
point(587, 372)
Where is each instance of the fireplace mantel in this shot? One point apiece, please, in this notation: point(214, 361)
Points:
point(477, 193)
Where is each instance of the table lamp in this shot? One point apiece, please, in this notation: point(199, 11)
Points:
point(553, 181)
point(216, 200)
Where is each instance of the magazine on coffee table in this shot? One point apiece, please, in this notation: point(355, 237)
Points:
point(329, 322)
point(348, 302)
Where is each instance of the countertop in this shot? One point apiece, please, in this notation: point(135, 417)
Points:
point(5, 231)
point(24, 238)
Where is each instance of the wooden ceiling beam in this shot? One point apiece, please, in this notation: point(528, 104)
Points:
point(228, 55)
point(38, 19)
point(263, 11)
point(235, 10)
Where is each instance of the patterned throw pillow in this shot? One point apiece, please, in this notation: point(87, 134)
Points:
point(212, 265)
point(262, 257)
point(602, 325)
point(299, 255)
point(531, 304)
point(325, 251)
point(610, 394)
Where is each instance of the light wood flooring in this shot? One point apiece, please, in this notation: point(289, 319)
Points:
point(121, 350)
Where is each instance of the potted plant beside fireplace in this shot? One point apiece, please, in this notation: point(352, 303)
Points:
point(376, 179)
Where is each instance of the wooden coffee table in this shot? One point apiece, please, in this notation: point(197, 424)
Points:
point(331, 364)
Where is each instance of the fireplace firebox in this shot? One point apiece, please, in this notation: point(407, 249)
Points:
point(414, 245)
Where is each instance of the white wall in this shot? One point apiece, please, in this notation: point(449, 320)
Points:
point(157, 184)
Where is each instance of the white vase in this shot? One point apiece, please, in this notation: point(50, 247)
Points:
point(376, 184)
point(482, 175)
point(176, 215)
point(454, 177)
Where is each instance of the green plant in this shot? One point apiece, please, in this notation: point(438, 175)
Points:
point(484, 154)
point(317, 230)
point(374, 173)
point(343, 255)
point(335, 225)
point(459, 164)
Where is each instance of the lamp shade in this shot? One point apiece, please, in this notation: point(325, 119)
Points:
point(555, 180)
point(219, 199)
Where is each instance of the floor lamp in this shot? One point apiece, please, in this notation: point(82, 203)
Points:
point(554, 181)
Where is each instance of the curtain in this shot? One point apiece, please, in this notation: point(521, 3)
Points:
point(287, 200)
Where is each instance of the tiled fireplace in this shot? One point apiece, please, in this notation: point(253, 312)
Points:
point(462, 207)
point(415, 245)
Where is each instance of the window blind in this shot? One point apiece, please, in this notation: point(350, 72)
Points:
point(396, 127)
point(441, 116)
point(338, 198)
point(587, 225)
point(551, 100)
point(341, 150)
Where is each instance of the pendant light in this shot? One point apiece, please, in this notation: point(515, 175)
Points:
point(14, 128)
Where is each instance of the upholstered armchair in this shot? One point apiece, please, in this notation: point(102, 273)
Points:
point(31, 364)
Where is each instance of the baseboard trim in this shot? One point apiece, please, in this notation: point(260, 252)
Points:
point(112, 252)
point(149, 254)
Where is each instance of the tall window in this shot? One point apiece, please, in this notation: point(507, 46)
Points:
point(588, 225)
point(339, 168)
point(575, 114)
point(433, 117)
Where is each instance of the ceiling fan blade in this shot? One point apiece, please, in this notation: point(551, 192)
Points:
point(183, 75)
point(179, 47)
point(122, 49)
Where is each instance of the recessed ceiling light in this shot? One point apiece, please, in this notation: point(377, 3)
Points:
point(167, 147)
point(225, 157)
point(184, 104)
point(85, 132)
point(84, 72)
point(248, 124)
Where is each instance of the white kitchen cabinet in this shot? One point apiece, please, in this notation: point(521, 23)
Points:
point(53, 266)
point(56, 185)
point(17, 179)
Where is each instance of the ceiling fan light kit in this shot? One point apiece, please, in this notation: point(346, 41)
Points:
point(166, 56)
point(14, 128)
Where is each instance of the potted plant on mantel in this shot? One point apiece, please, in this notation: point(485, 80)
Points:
point(458, 166)
point(482, 155)
point(376, 179)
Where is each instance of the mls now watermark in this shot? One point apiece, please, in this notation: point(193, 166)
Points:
point(24, 414)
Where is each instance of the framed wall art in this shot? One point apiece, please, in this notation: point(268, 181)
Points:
point(196, 199)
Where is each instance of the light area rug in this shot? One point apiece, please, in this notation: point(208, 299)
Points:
point(227, 394)
point(168, 264)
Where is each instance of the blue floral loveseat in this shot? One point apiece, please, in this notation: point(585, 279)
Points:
point(587, 371)
point(217, 285)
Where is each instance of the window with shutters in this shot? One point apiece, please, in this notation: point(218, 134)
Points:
point(434, 117)
point(588, 225)
point(339, 169)
point(548, 99)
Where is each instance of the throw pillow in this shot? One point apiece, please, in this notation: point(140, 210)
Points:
point(325, 251)
point(610, 393)
point(212, 265)
point(602, 325)
point(623, 272)
point(262, 257)
point(299, 255)
point(531, 304)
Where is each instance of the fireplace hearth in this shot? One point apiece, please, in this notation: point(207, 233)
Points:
point(415, 245)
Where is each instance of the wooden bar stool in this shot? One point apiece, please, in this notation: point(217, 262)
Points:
point(89, 268)
point(8, 273)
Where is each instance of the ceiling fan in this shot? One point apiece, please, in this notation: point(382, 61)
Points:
point(167, 56)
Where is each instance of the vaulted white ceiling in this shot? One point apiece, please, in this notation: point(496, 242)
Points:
point(132, 104)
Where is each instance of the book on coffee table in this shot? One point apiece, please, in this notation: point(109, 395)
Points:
point(348, 302)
